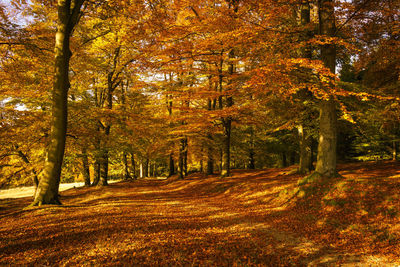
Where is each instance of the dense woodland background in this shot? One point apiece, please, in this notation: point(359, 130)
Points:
point(161, 87)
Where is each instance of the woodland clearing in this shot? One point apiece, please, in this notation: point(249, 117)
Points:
point(255, 217)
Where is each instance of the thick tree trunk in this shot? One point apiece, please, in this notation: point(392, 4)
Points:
point(326, 159)
point(49, 179)
point(85, 167)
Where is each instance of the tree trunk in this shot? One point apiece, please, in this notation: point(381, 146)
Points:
point(305, 164)
point(126, 174)
point(141, 172)
point(171, 165)
point(326, 158)
point(146, 168)
point(96, 178)
point(210, 160)
point(104, 168)
point(227, 123)
point(181, 159)
point(85, 167)
point(49, 179)
point(185, 156)
point(133, 166)
point(251, 162)
point(226, 152)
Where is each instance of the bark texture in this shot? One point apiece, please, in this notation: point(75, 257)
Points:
point(326, 159)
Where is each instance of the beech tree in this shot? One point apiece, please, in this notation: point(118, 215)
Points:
point(69, 12)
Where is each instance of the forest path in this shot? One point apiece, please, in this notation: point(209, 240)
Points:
point(198, 221)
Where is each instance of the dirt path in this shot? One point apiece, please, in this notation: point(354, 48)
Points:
point(197, 222)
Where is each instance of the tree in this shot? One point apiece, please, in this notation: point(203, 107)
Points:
point(69, 12)
point(326, 157)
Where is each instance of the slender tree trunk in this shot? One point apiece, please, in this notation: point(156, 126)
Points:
point(146, 168)
point(251, 161)
point(85, 167)
point(326, 158)
point(185, 157)
point(104, 168)
point(305, 164)
point(141, 172)
point(181, 159)
point(133, 166)
point(49, 179)
point(171, 165)
point(226, 155)
point(126, 174)
point(227, 123)
point(210, 159)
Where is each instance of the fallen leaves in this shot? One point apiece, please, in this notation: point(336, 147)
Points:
point(241, 220)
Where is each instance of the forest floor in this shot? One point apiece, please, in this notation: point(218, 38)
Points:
point(260, 217)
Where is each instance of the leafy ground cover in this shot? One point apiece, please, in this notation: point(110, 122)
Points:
point(260, 217)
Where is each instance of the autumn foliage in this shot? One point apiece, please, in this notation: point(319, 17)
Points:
point(200, 94)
